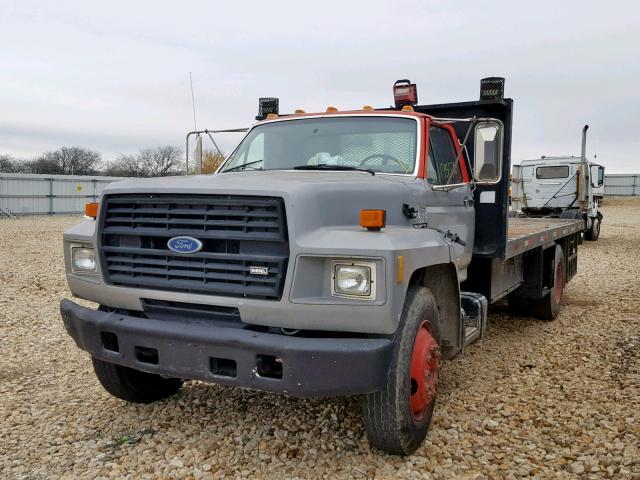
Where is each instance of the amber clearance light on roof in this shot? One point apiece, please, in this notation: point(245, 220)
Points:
point(372, 219)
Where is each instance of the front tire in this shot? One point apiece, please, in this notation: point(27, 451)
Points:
point(133, 385)
point(594, 232)
point(398, 418)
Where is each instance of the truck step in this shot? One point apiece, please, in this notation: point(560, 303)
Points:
point(474, 311)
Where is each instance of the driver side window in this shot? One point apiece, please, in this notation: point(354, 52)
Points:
point(255, 153)
point(443, 167)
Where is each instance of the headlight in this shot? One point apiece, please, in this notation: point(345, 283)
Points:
point(83, 260)
point(353, 279)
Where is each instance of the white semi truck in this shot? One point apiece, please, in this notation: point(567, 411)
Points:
point(560, 187)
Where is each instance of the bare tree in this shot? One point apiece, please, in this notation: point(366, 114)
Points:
point(67, 161)
point(149, 162)
point(162, 161)
point(211, 160)
point(8, 164)
point(125, 165)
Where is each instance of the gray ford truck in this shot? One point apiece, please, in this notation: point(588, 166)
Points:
point(334, 253)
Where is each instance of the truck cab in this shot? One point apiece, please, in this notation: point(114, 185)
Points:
point(560, 187)
point(333, 253)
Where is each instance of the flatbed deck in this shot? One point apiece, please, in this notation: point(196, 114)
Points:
point(528, 233)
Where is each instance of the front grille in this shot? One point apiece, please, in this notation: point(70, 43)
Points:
point(237, 233)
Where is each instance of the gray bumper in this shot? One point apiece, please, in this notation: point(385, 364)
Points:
point(185, 349)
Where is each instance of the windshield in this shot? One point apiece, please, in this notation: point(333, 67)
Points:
point(560, 171)
point(380, 144)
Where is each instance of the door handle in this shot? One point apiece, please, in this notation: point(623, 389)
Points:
point(468, 202)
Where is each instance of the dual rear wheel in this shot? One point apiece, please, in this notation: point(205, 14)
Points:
point(547, 307)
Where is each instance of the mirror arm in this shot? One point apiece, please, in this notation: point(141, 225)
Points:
point(470, 167)
point(472, 122)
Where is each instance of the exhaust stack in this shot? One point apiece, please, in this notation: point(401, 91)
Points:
point(583, 172)
point(583, 152)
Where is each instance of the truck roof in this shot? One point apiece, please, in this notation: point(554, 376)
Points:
point(555, 160)
point(337, 113)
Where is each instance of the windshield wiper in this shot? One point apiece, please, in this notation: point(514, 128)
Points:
point(243, 166)
point(326, 166)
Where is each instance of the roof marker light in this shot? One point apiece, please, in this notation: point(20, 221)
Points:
point(331, 109)
point(299, 111)
point(367, 107)
point(272, 116)
point(407, 108)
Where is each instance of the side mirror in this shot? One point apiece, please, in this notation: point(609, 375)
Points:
point(487, 165)
point(597, 176)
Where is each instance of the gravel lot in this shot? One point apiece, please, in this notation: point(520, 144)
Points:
point(549, 400)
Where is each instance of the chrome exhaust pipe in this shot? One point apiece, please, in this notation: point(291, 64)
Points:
point(583, 153)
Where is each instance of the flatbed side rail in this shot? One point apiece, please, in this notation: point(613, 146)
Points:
point(526, 234)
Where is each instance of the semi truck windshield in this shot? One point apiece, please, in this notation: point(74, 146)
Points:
point(379, 144)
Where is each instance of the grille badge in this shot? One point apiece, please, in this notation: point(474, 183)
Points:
point(184, 245)
point(259, 270)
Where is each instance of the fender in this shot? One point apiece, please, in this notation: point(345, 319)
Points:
point(430, 263)
point(443, 282)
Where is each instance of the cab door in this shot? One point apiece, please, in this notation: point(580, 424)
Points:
point(450, 204)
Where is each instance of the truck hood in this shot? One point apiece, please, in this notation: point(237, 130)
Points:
point(251, 183)
point(312, 199)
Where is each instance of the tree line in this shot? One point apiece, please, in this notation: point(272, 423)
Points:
point(148, 162)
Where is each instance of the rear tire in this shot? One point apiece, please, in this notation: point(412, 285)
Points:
point(397, 418)
point(133, 385)
point(548, 307)
point(594, 232)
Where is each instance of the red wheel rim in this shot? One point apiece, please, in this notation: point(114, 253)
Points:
point(425, 359)
point(559, 285)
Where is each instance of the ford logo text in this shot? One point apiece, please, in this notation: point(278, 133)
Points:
point(184, 245)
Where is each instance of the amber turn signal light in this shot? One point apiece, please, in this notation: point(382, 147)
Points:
point(372, 219)
point(91, 209)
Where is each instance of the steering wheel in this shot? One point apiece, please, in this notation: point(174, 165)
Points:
point(385, 160)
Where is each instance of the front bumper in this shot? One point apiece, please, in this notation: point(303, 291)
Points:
point(191, 349)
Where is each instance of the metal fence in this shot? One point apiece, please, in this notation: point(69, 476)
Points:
point(29, 194)
point(622, 184)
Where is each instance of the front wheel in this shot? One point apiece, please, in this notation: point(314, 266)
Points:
point(397, 418)
point(133, 385)
point(594, 232)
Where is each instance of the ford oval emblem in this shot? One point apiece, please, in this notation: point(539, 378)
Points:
point(184, 245)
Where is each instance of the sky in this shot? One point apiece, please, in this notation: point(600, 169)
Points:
point(114, 76)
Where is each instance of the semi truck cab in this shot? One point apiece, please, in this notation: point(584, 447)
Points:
point(561, 187)
point(333, 253)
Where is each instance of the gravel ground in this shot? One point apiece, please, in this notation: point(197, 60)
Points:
point(548, 400)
